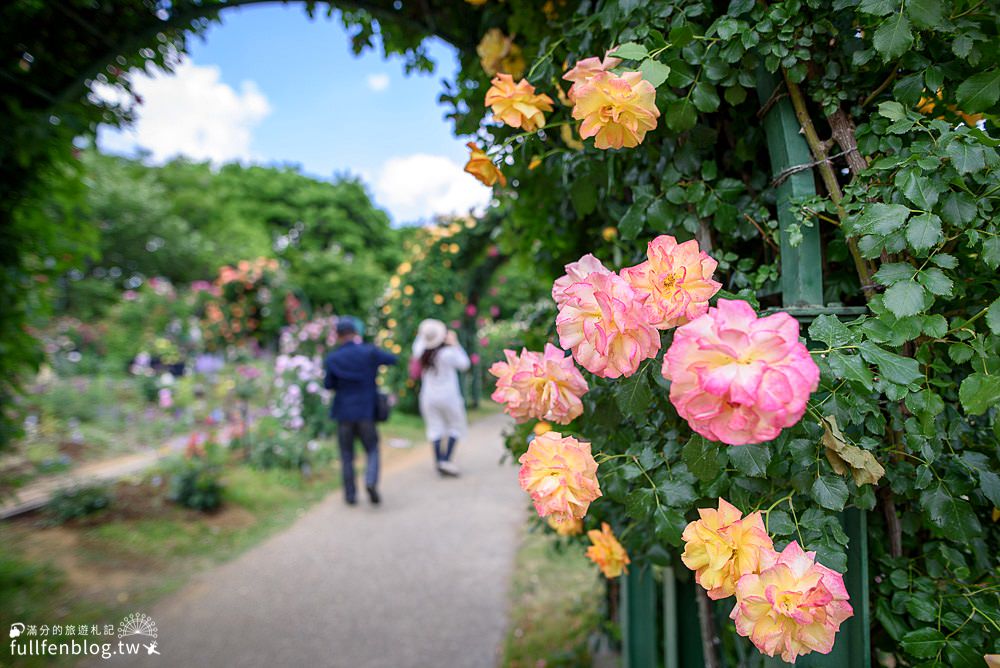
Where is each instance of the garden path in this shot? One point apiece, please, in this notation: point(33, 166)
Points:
point(420, 581)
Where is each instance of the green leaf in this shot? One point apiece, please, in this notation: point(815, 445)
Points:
point(831, 331)
point(893, 368)
point(704, 97)
point(701, 457)
point(780, 523)
point(654, 71)
point(961, 655)
point(893, 38)
point(631, 223)
point(640, 503)
point(978, 392)
point(966, 157)
point(905, 299)
point(680, 115)
point(989, 483)
point(894, 272)
point(979, 92)
point(830, 492)
point(923, 643)
point(917, 188)
point(751, 460)
point(631, 51)
point(893, 110)
point(681, 36)
point(921, 608)
point(851, 367)
point(925, 13)
point(878, 7)
point(936, 281)
point(952, 516)
point(677, 493)
point(634, 395)
point(924, 231)
point(882, 218)
point(993, 316)
point(726, 27)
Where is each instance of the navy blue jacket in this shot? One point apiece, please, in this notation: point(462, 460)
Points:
point(350, 372)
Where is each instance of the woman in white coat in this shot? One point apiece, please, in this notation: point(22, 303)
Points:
point(442, 405)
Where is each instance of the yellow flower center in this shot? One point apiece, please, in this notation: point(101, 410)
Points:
point(786, 603)
point(670, 281)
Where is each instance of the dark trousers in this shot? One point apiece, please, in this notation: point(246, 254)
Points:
point(347, 431)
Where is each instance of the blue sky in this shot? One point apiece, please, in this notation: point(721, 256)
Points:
point(269, 85)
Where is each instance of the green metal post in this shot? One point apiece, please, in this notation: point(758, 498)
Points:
point(802, 296)
point(801, 265)
point(640, 644)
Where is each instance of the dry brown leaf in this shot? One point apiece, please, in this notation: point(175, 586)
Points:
point(844, 457)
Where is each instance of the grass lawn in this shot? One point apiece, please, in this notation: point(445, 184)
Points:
point(555, 605)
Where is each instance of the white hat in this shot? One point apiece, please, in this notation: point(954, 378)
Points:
point(430, 334)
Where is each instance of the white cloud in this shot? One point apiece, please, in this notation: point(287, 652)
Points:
point(378, 82)
point(190, 112)
point(420, 186)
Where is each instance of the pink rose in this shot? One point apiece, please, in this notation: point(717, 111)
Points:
point(541, 386)
point(793, 607)
point(602, 320)
point(737, 378)
point(577, 272)
point(675, 282)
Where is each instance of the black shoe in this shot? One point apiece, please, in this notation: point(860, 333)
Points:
point(373, 495)
point(351, 502)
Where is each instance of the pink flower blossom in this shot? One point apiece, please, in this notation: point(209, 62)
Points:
point(560, 474)
point(605, 325)
point(737, 378)
point(723, 546)
point(541, 386)
point(585, 69)
point(577, 272)
point(793, 607)
point(617, 111)
point(165, 398)
point(675, 282)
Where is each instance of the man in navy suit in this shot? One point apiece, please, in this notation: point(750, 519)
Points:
point(350, 372)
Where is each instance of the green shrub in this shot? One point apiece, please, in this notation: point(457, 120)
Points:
point(195, 482)
point(271, 446)
point(80, 501)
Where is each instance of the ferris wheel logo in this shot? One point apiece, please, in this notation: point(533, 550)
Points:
point(137, 624)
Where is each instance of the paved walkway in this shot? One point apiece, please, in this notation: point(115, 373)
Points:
point(419, 582)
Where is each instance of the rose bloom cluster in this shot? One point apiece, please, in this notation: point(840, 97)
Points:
point(543, 386)
point(787, 604)
point(610, 321)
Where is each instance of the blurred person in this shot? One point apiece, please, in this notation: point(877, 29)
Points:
point(350, 370)
point(442, 405)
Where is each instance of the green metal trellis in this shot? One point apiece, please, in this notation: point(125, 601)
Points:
point(643, 600)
